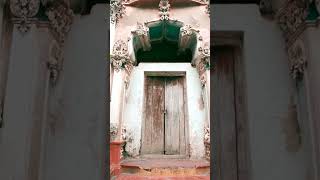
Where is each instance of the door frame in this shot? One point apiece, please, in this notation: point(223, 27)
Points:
point(234, 40)
point(186, 120)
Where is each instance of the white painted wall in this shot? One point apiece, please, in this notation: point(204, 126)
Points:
point(133, 109)
point(268, 91)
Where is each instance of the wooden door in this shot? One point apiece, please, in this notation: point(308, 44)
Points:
point(224, 114)
point(164, 126)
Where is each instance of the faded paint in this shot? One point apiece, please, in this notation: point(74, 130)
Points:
point(133, 111)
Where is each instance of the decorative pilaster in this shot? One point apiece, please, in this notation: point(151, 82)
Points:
point(24, 12)
point(164, 8)
point(142, 32)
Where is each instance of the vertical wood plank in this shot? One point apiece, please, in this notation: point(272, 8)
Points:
point(153, 136)
point(224, 114)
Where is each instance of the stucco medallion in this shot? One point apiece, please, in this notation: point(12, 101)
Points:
point(120, 55)
point(24, 12)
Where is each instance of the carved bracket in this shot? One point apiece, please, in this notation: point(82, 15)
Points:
point(164, 8)
point(142, 32)
point(185, 36)
point(297, 59)
point(24, 12)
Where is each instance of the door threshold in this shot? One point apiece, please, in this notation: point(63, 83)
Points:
point(163, 156)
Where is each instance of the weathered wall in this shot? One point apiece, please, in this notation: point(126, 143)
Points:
point(268, 92)
point(133, 108)
point(77, 113)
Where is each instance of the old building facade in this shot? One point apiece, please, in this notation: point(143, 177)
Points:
point(264, 81)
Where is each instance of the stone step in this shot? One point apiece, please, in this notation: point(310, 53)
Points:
point(138, 177)
point(165, 167)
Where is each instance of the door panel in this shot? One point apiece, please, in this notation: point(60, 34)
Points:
point(174, 120)
point(153, 141)
point(224, 114)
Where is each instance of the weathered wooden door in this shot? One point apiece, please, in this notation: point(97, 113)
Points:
point(224, 114)
point(164, 123)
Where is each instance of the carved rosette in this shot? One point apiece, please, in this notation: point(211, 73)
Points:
point(117, 10)
point(203, 62)
point(297, 59)
point(291, 19)
point(164, 8)
point(186, 33)
point(143, 34)
point(24, 12)
point(60, 16)
point(207, 142)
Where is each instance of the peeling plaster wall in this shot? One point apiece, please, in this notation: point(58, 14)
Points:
point(133, 109)
point(267, 91)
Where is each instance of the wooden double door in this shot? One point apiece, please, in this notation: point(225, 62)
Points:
point(163, 130)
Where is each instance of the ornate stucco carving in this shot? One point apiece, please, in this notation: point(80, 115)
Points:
point(120, 60)
point(297, 59)
point(117, 9)
point(55, 61)
point(186, 33)
point(164, 8)
point(113, 132)
point(203, 62)
point(207, 142)
point(24, 12)
point(291, 18)
point(120, 55)
point(142, 32)
point(60, 16)
point(127, 138)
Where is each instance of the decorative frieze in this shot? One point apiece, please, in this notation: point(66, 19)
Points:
point(117, 9)
point(207, 142)
point(164, 8)
point(185, 36)
point(142, 32)
point(203, 62)
point(60, 16)
point(291, 18)
point(24, 12)
point(297, 59)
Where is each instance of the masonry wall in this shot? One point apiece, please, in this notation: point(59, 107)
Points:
point(268, 93)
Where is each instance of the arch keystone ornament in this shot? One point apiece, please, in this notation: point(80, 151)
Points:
point(164, 8)
point(24, 12)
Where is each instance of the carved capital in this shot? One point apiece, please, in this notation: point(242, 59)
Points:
point(24, 12)
point(143, 34)
point(297, 59)
point(117, 9)
point(60, 16)
point(164, 8)
point(291, 18)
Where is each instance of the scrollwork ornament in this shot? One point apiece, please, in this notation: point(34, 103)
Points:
point(164, 8)
point(120, 55)
point(117, 10)
point(24, 12)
